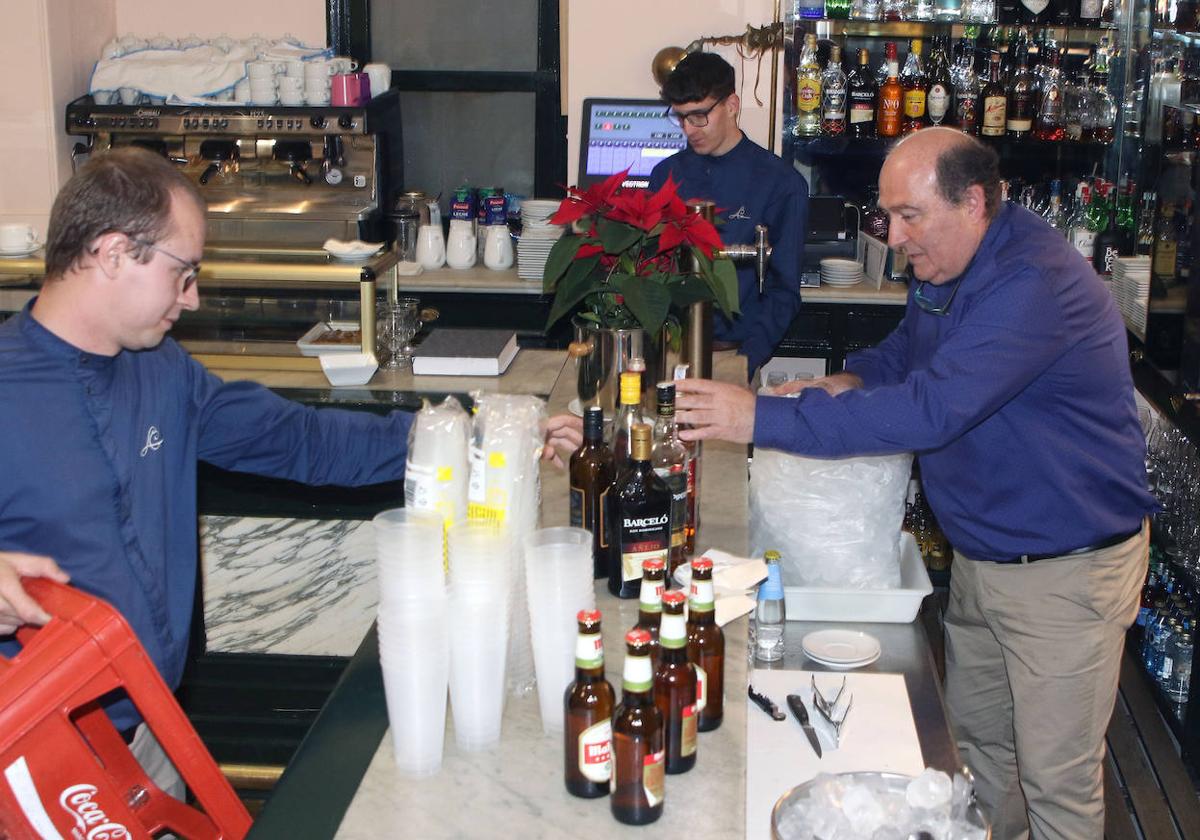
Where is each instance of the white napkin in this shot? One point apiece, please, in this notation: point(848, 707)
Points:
point(190, 73)
point(733, 577)
point(351, 248)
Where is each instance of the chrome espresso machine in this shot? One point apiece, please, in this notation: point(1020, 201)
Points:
point(278, 181)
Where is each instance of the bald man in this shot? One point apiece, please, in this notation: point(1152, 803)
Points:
point(1009, 378)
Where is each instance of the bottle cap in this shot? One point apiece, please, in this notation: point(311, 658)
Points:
point(637, 636)
point(674, 598)
point(654, 564)
point(771, 555)
point(631, 388)
point(588, 617)
point(702, 564)
point(639, 449)
point(593, 422)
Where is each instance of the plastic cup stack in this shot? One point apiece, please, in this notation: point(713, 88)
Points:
point(558, 574)
point(414, 636)
point(480, 581)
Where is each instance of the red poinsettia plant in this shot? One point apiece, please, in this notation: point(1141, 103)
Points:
point(640, 259)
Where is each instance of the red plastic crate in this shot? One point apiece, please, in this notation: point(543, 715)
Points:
point(65, 771)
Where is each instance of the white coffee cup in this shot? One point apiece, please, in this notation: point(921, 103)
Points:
point(291, 99)
point(318, 69)
point(313, 97)
point(343, 64)
point(241, 91)
point(129, 96)
point(260, 69)
point(290, 84)
point(380, 76)
point(17, 238)
point(295, 68)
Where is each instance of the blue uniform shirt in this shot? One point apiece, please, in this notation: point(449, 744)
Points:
point(751, 186)
point(99, 462)
point(1018, 401)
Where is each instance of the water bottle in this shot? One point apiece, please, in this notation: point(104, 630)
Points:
point(1181, 661)
point(770, 614)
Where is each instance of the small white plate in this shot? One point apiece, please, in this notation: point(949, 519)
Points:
point(575, 407)
point(24, 252)
point(843, 666)
point(841, 647)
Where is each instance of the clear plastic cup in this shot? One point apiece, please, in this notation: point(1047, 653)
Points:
point(478, 646)
point(416, 671)
point(410, 558)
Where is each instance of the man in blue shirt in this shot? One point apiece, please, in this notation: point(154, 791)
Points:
point(750, 186)
point(1009, 377)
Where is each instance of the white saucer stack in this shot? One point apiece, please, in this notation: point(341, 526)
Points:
point(839, 272)
point(537, 236)
point(1130, 286)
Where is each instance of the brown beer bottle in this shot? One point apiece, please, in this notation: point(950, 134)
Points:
point(588, 706)
point(650, 603)
point(706, 647)
point(637, 780)
point(592, 476)
point(675, 685)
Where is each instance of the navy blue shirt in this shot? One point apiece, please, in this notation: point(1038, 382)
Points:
point(1018, 401)
point(99, 462)
point(751, 186)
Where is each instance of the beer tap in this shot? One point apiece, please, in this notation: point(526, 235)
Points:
point(759, 251)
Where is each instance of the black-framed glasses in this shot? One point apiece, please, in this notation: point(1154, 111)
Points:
point(929, 306)
point(696, 119)
point(189, 279)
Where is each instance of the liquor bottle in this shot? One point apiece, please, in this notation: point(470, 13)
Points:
point(1145, 231)
point(837, 9)
point(1127, 221)
point(1082, 237)
point(592, 475)
point(1050, 118)
point(865, 10)
point(939, 100)
point(833, 95)
point(670, 459)
point(588, 709)
point(1076, 106)
point(1022, 100)
point(1101, 117)
point(913, 81)
point(808, 90)
point(650, 603)
point(642, 524)
point(993, 103)
point(1163, 262)
point(966, 90)
point(638, 779)
point(875, 221)
point(919, 10)
point(947, 11)
point(675, 685)
point(1107, 246)
point(894, 9)
point(706, 647)
point(890, 108)
point(770, 613)
point(1054, 213)
point(861, 91)
point(629, 413)
point(811, 9)
point(1087, 12)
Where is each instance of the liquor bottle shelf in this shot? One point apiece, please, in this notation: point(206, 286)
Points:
point(879, 147)
point(917, 29)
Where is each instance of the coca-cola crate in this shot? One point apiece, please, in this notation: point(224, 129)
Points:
point(65, 770)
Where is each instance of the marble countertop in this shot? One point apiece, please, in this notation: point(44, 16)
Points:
point(477, 279)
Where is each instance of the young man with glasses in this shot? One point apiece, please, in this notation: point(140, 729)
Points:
point(1009, 378)
point(750, 187)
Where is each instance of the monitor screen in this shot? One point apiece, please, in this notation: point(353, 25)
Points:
point(625, 133)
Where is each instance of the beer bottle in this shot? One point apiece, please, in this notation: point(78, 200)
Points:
point(637, 778)
point(642, 524)
point(588, 707)
point(706, 647)
point(675, 685)
point(592, 476)
point(650, 603)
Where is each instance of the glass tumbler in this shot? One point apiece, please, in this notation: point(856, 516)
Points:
point(397, 326)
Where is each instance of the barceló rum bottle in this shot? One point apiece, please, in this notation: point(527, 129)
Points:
point(638, 751)
point(650, 603)
point(588, 707)
point(706, 647)
point(643, 518)
point(592, 475)
point(675, 685)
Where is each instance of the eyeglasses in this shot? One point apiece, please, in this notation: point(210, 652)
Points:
point(929, 306)
point(696, 119)
point(189, 279)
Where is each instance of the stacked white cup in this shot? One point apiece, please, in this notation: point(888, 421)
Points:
point(558, 569)
point(481, 566)
point(317, 73)
point(414, 635)
point(263, 84)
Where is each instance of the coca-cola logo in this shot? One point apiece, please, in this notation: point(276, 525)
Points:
point(91, 823)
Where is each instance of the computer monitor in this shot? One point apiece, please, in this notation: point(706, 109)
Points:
point(625, 133)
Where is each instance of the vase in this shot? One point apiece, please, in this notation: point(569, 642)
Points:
point(602, 354)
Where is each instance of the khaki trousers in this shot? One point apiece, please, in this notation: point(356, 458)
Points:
point(1033, 655)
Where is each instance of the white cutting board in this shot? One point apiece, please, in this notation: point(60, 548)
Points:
point(879, 735)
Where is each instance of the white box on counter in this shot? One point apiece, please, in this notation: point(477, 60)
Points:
point(897, 606)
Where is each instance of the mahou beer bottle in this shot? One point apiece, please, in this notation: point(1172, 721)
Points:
point(650, 603)
point(638, 750)
point(642, 522)
point(675, 685)
point(890, 110)
point(588, 707)
point(592, 476)
point(706, 647)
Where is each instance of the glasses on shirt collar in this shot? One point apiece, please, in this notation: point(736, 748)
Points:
point(193, 268)
point(696, 119)
point(929, 306)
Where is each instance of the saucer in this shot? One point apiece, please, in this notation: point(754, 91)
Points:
point(24, 252)
point(841, 648)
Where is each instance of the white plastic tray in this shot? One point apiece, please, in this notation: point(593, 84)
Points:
point(897, 606)
point(308, 342)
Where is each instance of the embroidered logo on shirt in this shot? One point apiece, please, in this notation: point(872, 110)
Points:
point(153, 441)
point(739, 213)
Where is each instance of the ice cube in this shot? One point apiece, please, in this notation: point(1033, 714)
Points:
point(863, 808)
point(929, 790)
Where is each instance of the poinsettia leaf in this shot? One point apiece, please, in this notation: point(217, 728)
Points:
point(578, 282)
point(647, 298)
point(689, 290)
point(616, 237)
point(560, 259)
point(725, 284)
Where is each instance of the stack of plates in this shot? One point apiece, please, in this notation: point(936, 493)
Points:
point(1130, 287)
point(838, 272)
point(841, 648)
point(537, 237)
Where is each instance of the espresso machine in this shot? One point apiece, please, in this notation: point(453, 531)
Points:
point(278, 182)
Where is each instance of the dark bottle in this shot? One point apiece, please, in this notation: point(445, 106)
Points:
point(992, 103)
point(875, 221)
point(1022, 100)
point(650, 603)
point(588, 710)
point(642, 521)
point(675, 685)
point(861, 91)
point(592, 475)
point(706, 647)
point(638, 750)
point(939, 98)
point(889, 111)
point(1051, 119)
point(670, 458)
point(915, 85)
